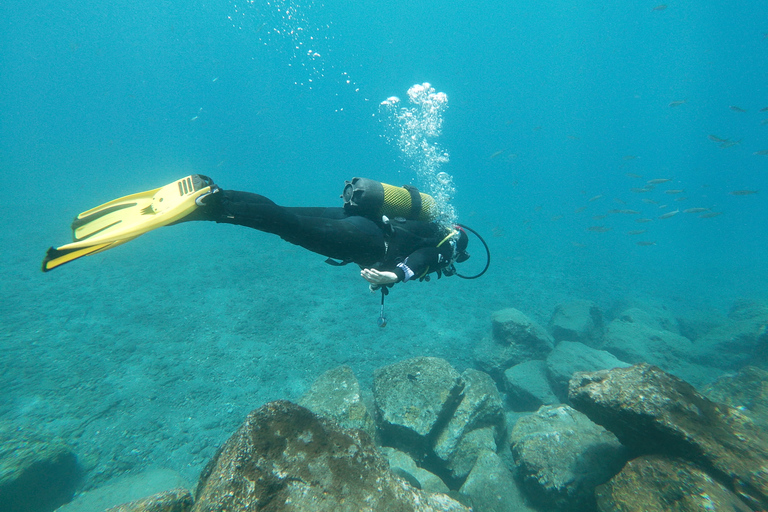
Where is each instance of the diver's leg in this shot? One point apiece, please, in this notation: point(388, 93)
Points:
point(327, 231)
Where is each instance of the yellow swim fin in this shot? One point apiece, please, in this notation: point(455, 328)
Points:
point(126, 218)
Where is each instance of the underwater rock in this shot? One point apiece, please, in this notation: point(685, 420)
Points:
point(746, 309)
point(127, 489)
point(636, 342)
point(480, 407)
point(464, 456)
point(404, 466)
point(176, 500)
point(336, 394)
point(285, 457)
point(651, 411)
point(492, 488)
point(656, 483)
point(570, 357)
point(562, 456)
point(414, 400)
point(578, 320)
point(515, 339)
point(736, 343)
point(38, 472)
point(746, 390)
point(528, 387)
point(655, 317)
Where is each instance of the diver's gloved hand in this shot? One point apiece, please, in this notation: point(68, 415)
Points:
point(378, 277)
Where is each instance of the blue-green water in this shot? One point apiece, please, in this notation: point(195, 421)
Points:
point(150, 354)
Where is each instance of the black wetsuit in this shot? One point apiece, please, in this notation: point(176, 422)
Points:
point(406, 247)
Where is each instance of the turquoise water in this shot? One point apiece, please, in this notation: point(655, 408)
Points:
point(152, 353)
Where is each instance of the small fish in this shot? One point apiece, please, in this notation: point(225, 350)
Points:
point(630, 157)
point(662, 206)
point(619, 201)
point(556, 218)
point(628, 212)
point(736, 109)
point(598, 217)
point(669, 214)
point(633, 175)
point(764, 122)
point(641, 190)
point(643, 220)
point(658, 181)
point(683, 198)
point(496, 154)
point(215, 79)
point(677, 103)
point(743, 192)
point(649, 201)
point(696, 210)
point(637, 232)
point(580, 209)
point(660, 7)
point(595, 198)
point(674, 191)
point(764, 109)
point(729, 143)
point(715, 138)
point(709, 215)
point(572, 137)
point(599, 229)
point(646, 244)
point(193, 119)
point(762, 152)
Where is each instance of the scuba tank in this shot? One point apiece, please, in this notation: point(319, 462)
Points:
point(372, 199)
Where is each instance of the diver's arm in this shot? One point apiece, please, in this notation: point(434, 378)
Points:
point(420, 263)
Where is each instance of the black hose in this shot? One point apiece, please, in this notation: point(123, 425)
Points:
point(487, 252)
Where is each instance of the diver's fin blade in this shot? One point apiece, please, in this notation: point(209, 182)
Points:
point(108, 216)
point(57, 257)
point(123, 219)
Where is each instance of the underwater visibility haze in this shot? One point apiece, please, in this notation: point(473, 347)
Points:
point(610, 152)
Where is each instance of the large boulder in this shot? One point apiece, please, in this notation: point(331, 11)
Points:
point(746, 390)
point(651, 411)
point(336, 394)
point(570, 357)
point(480, 407)
point(655, 316)
point(414, 399)
point(492, 488)
point(746, 309)
point(655, 483)
point(578, 320)
point(38, 472)
point(528, 386)
point(286, 458)
point(515, 339)
point(404, 466)
point(131, 491)
point(639, 342)
point(175, 500)
point(562, 456)
point(742, 340)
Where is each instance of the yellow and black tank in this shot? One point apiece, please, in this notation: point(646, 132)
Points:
point(372, 199)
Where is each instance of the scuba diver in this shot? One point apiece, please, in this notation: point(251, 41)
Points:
point(388, 231)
